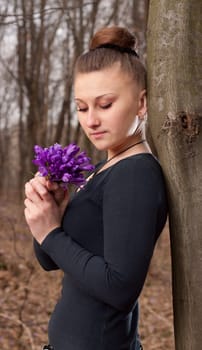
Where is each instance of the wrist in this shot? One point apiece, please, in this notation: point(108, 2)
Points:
point(40, 238)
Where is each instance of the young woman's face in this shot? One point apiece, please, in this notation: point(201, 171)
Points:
point(107, 103)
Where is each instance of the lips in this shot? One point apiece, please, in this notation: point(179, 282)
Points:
point(97, 133)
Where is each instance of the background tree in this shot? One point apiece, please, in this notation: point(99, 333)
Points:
point(175, 111)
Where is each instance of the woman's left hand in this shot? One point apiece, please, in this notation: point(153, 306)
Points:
point(42, 212)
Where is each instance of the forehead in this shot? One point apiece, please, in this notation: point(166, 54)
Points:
point(107, 81)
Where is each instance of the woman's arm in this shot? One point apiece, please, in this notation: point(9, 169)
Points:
point(131, 203)
point(44, 259)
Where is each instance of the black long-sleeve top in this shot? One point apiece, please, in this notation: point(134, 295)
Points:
point(104, 247)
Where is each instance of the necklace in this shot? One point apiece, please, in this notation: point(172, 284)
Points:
point(116, 155)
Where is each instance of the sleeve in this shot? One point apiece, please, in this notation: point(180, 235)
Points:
point(44, 260)
point(130, 206)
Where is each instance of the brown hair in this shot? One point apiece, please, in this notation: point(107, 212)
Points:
point(98, 58)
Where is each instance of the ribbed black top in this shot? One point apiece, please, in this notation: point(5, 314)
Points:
point(104, 247)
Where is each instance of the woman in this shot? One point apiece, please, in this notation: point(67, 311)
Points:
point(104, 239)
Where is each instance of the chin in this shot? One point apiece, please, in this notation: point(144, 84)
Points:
point(100, 148)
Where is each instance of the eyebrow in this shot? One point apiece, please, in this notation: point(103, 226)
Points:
point(98, 97)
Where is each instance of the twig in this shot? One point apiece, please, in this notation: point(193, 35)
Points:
point(156, 346)
point(160, 317)
point(26, 328)
point(13, 230)
point(26, 296)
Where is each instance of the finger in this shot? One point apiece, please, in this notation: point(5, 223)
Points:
point(41, 179)
point(37, 174)
point(29, 204)
point(31, 193)
point(52, 186)
point(28, 215)
point(65, 201)
point(61, 194)
point(40, 188)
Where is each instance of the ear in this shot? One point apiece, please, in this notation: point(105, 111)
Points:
point(142, 104)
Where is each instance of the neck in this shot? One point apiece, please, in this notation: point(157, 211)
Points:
point(117, 154)
point(123, 150)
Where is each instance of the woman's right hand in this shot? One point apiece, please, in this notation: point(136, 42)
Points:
point(59, 194)
point(45, 204)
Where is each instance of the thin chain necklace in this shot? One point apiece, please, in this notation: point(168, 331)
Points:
point(116, 155)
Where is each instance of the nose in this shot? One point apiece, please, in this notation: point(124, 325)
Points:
point(93, 119)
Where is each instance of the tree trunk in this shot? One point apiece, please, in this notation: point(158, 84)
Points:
point(175, 118)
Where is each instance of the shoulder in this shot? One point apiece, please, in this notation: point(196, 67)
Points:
point(129, 177)
point(137, 180)
point(142, 166)
point(136, 176)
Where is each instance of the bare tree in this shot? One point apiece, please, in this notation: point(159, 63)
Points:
point(175, 110)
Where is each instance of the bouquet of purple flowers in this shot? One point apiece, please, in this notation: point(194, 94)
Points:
point(62, 164)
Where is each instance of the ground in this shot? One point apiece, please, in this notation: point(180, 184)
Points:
point(28, 294)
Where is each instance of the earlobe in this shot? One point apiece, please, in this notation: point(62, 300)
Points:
point(142, 110)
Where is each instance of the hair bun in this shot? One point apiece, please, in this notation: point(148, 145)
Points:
point(113, 35)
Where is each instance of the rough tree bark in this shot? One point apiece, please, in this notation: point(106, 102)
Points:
point(175, 117)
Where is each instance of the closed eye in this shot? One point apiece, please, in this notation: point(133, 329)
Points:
point(79, 109)
point(106, 106)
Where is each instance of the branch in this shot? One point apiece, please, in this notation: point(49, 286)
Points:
point(45, 11)
point(6, 66)
point(10, 72)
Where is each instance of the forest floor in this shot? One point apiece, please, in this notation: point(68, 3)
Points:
point(28, 294)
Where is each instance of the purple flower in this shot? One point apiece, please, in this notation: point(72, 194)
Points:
point(63, 165)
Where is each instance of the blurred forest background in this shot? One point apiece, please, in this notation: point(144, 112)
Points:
point(39, 42)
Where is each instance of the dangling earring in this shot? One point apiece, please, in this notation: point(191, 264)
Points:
point(137, 123)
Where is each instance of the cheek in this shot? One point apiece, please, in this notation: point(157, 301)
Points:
point(124, 119)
